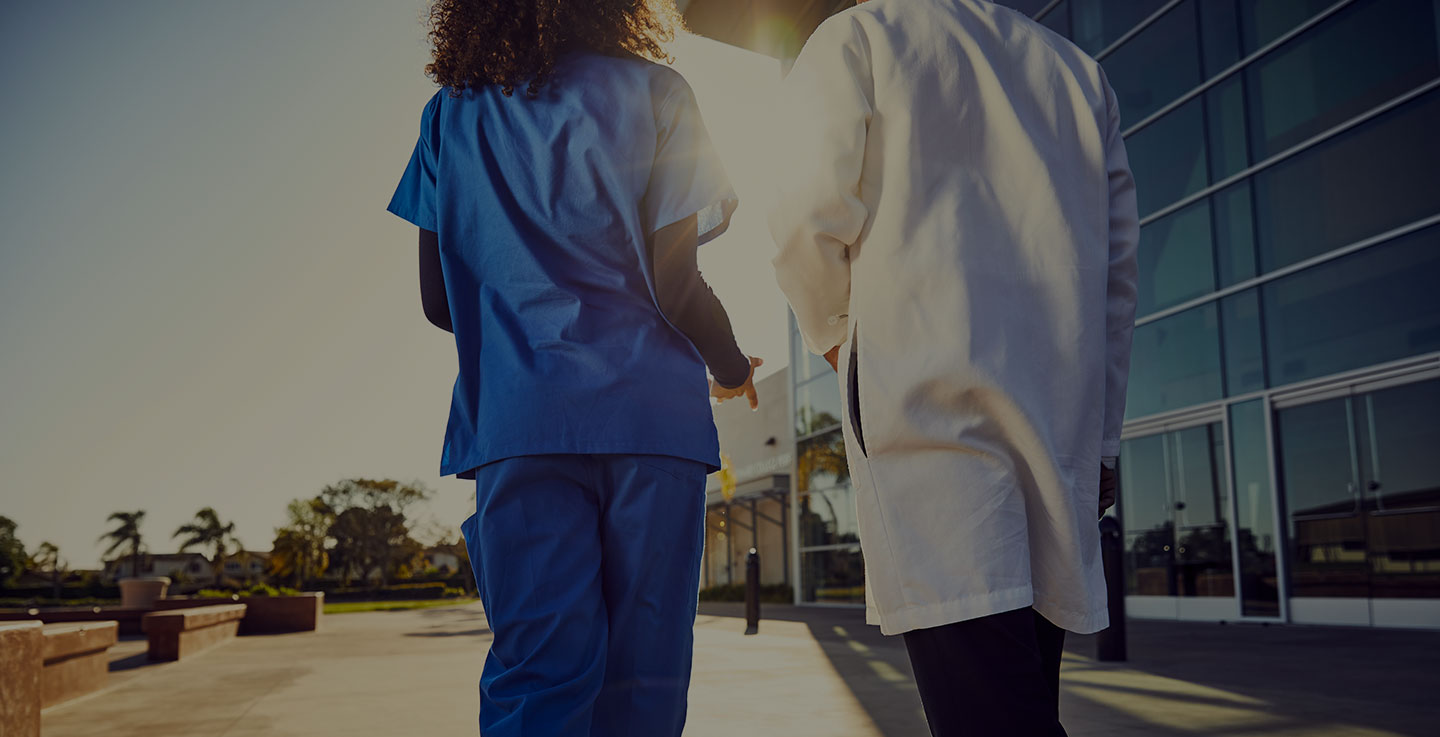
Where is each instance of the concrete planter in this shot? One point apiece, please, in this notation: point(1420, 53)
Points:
point(142, 593)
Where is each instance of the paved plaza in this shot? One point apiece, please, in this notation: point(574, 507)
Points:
point(809, 672)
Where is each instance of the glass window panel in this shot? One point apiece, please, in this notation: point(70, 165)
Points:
point(1028, 7)
point(1219, 35)
point(1225, 111)
point(1200, 491)
point(1315, 458)
point(1234, 234)
point(1244, 351)
point(828, 517)
point(1254, 510)
point(1058, 20)
point(817, 405)
point(1401, 473)
point(1168, 157)
point(1099, 23)
point(718, 567)
point(1377, 305)
point(1405, 435)
point(1175, 362)
point(804, 365)
point(1263, 21)
point(1379, 176)
point(1202, 497)
point(836, 576)
point(1404, 554)
point(1356, 59)
point(1149, 563)
point(1327, 534)
point(1175, 259)
point(1146, 516)
point(1158, 65)
point(820, 463)
point(1144, 492)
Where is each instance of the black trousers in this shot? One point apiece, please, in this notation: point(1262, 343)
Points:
point(990, 677)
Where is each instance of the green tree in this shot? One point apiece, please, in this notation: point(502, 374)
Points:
point(126, 532)
point(299, 553)
point(12, 552)
point(47, 558)
point(208, 531)
point(370, 528)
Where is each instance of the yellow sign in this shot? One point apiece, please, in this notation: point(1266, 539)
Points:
point(727, 477)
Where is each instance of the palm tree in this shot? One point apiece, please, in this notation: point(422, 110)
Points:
point(47, 556)
point(127, 531)
point(207, 530)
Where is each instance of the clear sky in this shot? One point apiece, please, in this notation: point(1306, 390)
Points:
point(202, 299)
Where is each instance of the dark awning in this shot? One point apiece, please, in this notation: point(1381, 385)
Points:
point(779, 28)
point(775, 28)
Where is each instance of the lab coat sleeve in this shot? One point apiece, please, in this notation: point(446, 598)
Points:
point(817, 214)
point(1120, 285)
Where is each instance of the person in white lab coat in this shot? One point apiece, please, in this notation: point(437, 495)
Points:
point(957, 232)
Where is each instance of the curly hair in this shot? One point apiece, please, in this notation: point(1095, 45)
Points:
point(512, 42)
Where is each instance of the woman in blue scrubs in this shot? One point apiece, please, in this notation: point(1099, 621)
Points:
point(562, 182)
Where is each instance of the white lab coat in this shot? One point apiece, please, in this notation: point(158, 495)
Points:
point(958, 211)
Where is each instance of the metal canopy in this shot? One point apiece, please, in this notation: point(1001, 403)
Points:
point(775, 28)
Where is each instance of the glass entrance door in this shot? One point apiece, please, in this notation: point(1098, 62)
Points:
point(1361, 481)
point(1174, 500)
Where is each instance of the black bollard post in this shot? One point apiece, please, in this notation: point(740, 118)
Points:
point(1110, 643)
point(752, 592)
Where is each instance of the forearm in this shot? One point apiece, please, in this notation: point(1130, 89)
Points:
point(692, 307)
point(432, 282)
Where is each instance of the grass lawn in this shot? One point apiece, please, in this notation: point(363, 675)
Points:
point(345, 607)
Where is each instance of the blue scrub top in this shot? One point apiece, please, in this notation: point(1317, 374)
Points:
point(543, 207)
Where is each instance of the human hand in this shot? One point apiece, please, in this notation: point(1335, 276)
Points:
point(747, 389)
point(832, 357)
point(1107, 489)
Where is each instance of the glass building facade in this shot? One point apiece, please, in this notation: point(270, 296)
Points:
point(828, 536)
point(1282, 445)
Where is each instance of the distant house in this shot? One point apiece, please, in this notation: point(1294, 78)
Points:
point(192, 567)
point(187, 566)
point(247, 564)
point(442, 557)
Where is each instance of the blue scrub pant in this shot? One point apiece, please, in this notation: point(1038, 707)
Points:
point(588, 567)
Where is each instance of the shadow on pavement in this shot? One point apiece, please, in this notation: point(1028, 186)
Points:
point(463, 621)
point(1267, 679)
point(129, 653)
point(1181, 679)
point(481, 632)
point(874, 667)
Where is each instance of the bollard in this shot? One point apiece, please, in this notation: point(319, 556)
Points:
point(1110, 643)
point(752, 592)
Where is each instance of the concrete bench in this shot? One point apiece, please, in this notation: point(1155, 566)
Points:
point(129, 618)
point(22, 657)
point(77, 660)
point(180, 633)
point(264, 615)
point(275, 614)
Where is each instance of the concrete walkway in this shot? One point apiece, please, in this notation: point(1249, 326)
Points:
point(808, 672)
